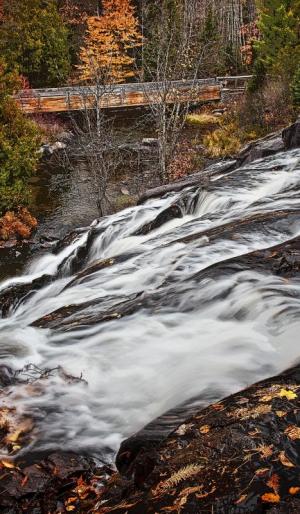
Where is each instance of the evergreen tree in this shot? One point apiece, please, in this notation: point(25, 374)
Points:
point(108, 42)
point(19, 144)
point(33, 37)
point(278, 49)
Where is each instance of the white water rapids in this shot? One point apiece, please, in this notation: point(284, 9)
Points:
point(209, 337)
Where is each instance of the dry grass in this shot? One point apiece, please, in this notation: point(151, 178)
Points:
point(202, 119)
point(222, 142)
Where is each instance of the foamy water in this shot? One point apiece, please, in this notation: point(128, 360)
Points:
point(205, 337)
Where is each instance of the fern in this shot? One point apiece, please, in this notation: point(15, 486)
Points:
point(177, 477)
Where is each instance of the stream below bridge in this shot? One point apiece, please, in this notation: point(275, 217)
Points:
point(148, 307)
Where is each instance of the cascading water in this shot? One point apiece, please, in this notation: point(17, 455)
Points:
point(180, 336)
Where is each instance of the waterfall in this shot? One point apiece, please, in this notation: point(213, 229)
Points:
point(133, 306)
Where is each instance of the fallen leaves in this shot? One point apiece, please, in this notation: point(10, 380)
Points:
point(7, 464)
point(270, 498)
point(241, 499)
point(83, 490)
point(254, 412)
point(293, 432)
point(277, 391)
point(204, 429)
point(265, 451)
point(288, 394)
point(294, 490)
point(206, 494)
point(274, 483)
point(261, 472)
point(182, 430)
point(285, 461)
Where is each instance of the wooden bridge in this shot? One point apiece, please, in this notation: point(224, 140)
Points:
point(77, 98)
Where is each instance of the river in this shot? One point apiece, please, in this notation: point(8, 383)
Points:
point(183, 336)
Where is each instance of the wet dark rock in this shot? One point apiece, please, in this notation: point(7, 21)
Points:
point(7, 375)
point(76, 261)
point(269, 145)
point(44, 486)
point(282, 260)
point(172, 212)
point(291, 136)
point(16, 293)
point(66, 241)
point(65, 467)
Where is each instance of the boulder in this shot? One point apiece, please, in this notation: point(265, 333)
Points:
point(291, 136)
point(269, 145)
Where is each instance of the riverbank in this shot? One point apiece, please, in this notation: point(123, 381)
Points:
point(238, 455)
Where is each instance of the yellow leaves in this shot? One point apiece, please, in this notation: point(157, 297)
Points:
point(285, 461)
point(294, 490)
point(204, 429)
point(280, 413)
point(21, 429)
point(274, 484)
point(108, 39)
point(288, 394)
point(277, 391)
point(270, 498)
point(293, 432)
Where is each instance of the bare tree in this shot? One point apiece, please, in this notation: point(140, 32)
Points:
point(95, 141)
point(173, 70)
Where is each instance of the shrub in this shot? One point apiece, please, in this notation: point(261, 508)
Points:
point(222, 142)
point(18, 225)
point(19, 145)
point(123, 201)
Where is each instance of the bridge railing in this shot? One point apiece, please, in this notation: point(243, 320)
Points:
point(81, 97)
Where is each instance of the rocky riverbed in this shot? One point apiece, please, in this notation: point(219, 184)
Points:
point(183, 300)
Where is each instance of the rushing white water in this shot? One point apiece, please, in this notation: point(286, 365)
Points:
point(209, 337)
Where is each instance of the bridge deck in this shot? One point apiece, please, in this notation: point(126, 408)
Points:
point(123, 95)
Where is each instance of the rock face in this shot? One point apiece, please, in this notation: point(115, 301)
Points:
point(237, 456)
point(261, 148)
point(291, 136)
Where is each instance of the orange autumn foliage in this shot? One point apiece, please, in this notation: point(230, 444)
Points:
point(17, 225)
point(108, 41)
